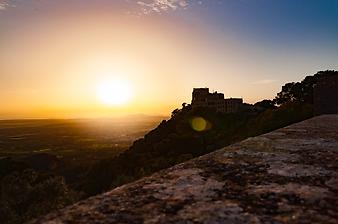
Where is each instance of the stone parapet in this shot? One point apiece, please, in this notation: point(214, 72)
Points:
point(287, 176)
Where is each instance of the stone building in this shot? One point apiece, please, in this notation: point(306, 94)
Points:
point(201, 97)
point(233, 105)
point(325, 95)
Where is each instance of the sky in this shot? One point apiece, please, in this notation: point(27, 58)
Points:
point(55, 56)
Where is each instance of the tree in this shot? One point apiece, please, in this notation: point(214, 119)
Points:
point(301, 91)
point(28, 194)
point(266, 104)
point(175, 112)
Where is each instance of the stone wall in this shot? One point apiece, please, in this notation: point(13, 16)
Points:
point(286, 176)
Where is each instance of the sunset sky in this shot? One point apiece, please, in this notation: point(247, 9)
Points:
point(60, 58)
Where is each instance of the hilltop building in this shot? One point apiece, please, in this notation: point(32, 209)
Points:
point(201, 97)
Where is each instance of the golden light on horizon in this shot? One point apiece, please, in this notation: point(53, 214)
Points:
point(114, 92)
point(156, 61)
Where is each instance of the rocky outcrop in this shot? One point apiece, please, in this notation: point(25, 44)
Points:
point(286, 176)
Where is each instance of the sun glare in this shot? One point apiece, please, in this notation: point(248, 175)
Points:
point(114, 92)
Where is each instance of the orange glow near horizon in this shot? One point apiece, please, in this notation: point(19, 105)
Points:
point(70, 72)
point(63, 66)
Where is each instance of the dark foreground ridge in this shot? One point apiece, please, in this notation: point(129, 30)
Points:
point(286, 176)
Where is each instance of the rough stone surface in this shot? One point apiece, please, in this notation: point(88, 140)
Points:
point(286, 176)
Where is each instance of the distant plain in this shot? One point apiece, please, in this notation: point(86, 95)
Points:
point(61, 145)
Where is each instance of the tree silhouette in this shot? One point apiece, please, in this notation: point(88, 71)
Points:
point(301, 91)
point(266, 104)
point(175, 112)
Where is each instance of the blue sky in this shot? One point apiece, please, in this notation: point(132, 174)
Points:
point(301, 24)
point(280, 22)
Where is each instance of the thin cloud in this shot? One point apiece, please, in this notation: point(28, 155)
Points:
point(3, 5)
point(145, 6)
point(6, 4)
point(158, 6)
point(264, 81)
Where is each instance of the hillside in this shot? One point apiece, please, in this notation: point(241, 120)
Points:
point(176, 140)
point(187, 134)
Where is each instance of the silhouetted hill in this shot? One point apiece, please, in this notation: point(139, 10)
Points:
point(176, 140)
point(189, 133)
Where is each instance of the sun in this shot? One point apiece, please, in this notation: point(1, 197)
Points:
point(114, 92)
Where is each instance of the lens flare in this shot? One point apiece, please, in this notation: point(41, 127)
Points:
point(199, 124)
